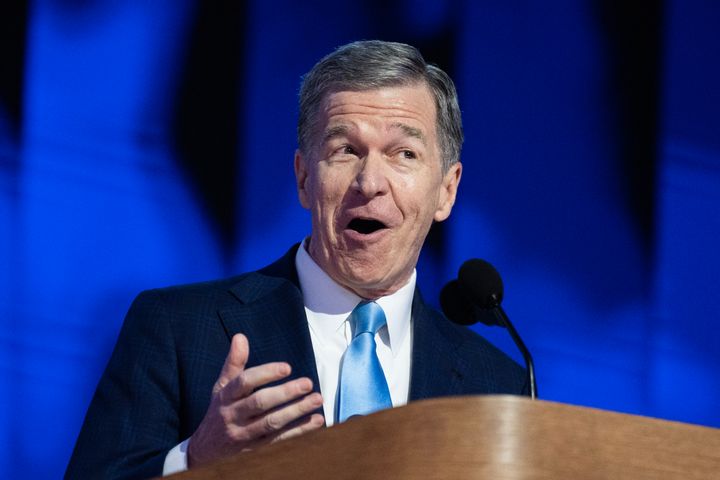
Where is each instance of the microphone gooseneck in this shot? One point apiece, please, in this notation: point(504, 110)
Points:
point(476, 295)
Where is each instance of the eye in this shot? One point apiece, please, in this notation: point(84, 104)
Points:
point(408, 154)
point(345, 150)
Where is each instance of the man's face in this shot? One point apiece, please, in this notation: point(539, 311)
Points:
point(373, 183)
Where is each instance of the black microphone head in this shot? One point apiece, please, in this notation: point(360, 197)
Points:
point(455, 305)
point(481, 283)
point(458, 308)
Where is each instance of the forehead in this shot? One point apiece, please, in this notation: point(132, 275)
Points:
point(412, 106)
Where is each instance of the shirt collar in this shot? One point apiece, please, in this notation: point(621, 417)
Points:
point(331, 304)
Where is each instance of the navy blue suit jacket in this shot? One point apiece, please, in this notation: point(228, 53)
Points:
point(172, 346)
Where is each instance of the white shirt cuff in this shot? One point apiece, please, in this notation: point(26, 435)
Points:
point(176, 459)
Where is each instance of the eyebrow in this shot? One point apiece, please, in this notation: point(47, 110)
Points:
point(336, 131)
point(411, 131)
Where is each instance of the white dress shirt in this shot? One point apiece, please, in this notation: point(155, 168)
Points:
point(328, 307)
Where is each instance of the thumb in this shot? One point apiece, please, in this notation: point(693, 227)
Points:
point(234, 362)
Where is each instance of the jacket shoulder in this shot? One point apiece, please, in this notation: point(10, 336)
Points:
point(215, 294)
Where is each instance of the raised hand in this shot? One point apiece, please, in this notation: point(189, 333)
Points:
point(242, 415)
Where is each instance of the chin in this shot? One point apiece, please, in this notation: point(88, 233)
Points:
point(372, 284)
point(363, 270)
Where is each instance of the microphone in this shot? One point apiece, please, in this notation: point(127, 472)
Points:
point(475, 296)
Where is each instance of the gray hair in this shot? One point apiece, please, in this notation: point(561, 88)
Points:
point(372, 64)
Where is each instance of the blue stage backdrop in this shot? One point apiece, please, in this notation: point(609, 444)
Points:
point(144, 144)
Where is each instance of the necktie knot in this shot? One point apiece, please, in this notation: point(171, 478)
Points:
point(368, 317)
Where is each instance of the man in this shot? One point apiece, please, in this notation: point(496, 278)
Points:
point(202, 371)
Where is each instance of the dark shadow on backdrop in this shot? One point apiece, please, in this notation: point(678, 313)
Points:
point(207, 122)
point(634, 38)
point(13, 32)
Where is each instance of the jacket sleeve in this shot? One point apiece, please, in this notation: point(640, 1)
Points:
point(133, 419)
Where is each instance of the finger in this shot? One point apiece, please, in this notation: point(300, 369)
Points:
point(253, 378)
point(299, 427)
point(275, 421)
point(294, 429)
point(268, 398)
point(234, 362)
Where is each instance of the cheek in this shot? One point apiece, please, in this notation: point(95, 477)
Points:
point(333, 182)
point(417, 199)
point(327, 194)
point(327, 197)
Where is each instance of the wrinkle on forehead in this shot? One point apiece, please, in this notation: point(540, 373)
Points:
point(342, 130)
point(399, 107)
point(409, 109)
point(393, 100)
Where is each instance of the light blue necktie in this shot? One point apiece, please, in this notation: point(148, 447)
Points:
point(363, 388)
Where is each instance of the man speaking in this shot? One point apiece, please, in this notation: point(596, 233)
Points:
point(336, 327)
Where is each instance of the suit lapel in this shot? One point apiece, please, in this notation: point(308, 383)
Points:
point(271, 313)
point(435, 367)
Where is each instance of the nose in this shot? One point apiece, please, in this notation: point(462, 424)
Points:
point(370, 179)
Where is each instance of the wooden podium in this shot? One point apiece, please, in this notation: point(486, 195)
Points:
point(485, 437)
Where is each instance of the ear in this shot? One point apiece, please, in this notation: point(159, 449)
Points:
point(448, 192)
point(301, 177)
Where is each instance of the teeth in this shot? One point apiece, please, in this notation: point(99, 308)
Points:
point(365, 226)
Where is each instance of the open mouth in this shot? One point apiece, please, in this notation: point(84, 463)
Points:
point(365, 226)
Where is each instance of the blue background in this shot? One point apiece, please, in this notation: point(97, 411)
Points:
point(145, 144)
